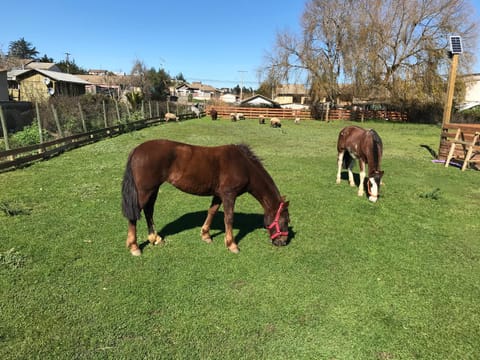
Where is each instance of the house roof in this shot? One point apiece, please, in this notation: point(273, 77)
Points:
point(259, 100)
point(197, 86)
point(104, 79)
point(42, 66)
point(54, 75)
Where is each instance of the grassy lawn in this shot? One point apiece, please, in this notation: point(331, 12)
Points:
point(398, 279)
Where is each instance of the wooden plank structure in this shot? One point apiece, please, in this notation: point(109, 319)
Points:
point(224, 111)
point(460, 142)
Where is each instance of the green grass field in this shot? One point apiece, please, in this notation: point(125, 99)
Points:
point(398, 279)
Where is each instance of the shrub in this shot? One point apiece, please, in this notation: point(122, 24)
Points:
point(28, 136)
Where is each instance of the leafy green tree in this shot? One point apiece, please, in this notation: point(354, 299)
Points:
point(159, 82)
point(22, 49)
point(46, 59)
point(71, 67)
point(180, 77)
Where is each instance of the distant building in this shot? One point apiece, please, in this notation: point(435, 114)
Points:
point(472, 83)
point(39, 85)
point(228, 98)
point(105, 84)
point(259, 101)
point(472, 91)
point(195, 91)
point(291, 94)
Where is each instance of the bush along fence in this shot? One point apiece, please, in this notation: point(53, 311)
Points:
point(58, 128)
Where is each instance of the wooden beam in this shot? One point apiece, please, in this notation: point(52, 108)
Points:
point(447, 110)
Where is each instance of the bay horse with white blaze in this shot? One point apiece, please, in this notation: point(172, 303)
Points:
point(224, 172)
point(365, 145)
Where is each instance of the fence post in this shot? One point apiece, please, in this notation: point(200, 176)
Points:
point(39, 122)
point(128, 112)
point(150, 108)
point(143, 109)
point(3, 120)
point(82, 118)
point(118, 111)
point(57, 122)
point(105, 114)
point(158, 108)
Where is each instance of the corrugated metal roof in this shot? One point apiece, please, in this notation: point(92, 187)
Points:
point(42, 65)
point(59, 76)
point(54, 75)
point(12, 74)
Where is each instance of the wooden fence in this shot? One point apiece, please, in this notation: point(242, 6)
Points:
point(328, 115)
point(10, 159)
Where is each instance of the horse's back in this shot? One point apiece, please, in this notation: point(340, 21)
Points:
point(194, 169)
point(350, 136)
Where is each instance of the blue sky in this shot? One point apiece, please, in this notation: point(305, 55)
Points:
point(220, 43)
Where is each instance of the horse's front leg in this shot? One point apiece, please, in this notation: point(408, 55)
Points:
point(361, 189)
point(228, 207)
point(340, 164)
point(212, 210)
point(132, 238)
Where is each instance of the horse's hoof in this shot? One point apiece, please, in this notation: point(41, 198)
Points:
point(338, 181)
point(208, 240)
point(155, 239)
point(234, 250)
point(136, 252)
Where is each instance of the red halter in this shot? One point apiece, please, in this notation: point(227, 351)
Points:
point(275, 225)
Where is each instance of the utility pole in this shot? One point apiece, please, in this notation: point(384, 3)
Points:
point(241, 81)
point(68, 61)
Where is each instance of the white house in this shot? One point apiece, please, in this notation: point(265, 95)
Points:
point(472, 91)
point(228, 98)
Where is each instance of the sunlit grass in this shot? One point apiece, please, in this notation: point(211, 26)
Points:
point(393, 280)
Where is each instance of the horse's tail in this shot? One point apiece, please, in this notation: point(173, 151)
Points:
point(130, 207)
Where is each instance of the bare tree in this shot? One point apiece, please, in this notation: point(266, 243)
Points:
point(391, 49)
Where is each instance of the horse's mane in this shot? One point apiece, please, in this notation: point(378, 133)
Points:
point(244, 148)
point(377, 144)
point(376, 138)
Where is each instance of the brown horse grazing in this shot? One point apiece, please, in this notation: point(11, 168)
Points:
point(365, 145)
point(222, 171)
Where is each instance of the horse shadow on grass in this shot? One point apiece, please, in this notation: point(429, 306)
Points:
point(244, 223)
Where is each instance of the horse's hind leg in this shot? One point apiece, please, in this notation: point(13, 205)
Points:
point(205, 231)
point(132, 238)
point(153, 237)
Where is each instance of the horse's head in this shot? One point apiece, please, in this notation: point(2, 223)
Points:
point(277, 224)
point(373, 185)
